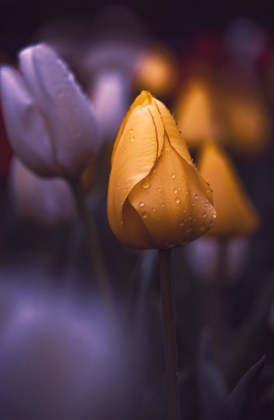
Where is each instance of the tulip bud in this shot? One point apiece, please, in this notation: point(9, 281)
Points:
point(44, 201)
point(49, 121)
point(156, 197)
point(236, 215)
point(248, 119)
point(196, 112)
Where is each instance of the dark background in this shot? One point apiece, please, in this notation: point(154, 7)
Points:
point(172, 21)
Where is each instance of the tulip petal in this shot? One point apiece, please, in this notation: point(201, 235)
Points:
point(138, 144)
point(136, 234)
point(172, 201)
point(69, 112)
point(236, 215)
point(173, 133)
point(26, 128)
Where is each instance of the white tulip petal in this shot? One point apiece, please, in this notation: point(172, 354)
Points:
point(26, 128)
point(68, 111)
point(46, 201)
point(111, 101)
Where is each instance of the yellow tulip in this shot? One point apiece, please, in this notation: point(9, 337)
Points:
point(236, 215)
point(156, 197)
point(248, 119)
point(197, 112)
point(156, 70)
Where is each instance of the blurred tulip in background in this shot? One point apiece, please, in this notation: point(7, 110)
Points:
point(44, 201)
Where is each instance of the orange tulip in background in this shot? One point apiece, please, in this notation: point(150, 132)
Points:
point(156, 197)
point(196, 111)
point(156, 71)
point(236, 215)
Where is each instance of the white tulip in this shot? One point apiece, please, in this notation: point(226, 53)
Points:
point(49, 120)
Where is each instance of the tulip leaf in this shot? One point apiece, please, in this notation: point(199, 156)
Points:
point(248, 334)
point(212, 389)
point(242, 397)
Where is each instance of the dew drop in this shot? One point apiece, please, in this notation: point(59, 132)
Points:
point(159, 189)
point(131, 131)
point(136, 125)
point(177, 199)
point(170, 244)
point(144, 215)
point(186, 192)
point(189, 228)
point(132, 139)
point(182, 222)
point(184, 241)
point(141, 204)
point(196, 196)
point(175, 190)
point(153, 209)
point(214, 216)
point(145, 184)
point(173, 176)
point(204, 214)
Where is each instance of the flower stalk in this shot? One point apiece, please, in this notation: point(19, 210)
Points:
point(93, 243)
point(169, 336)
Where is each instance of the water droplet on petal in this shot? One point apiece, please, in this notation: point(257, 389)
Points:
point(141, 204)
point(189, 228)
point(173, 176)
point(144, 215)
point(131, 131)
point(184, 241)
point(170, 244)
point(175, 190)
point(132, 139)
point(153, 209)
point(182, 222)
point(145, 184)
point(196, 196)
point(177, 199)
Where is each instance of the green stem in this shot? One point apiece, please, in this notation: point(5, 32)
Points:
point(93, 243)
point(169, 333)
